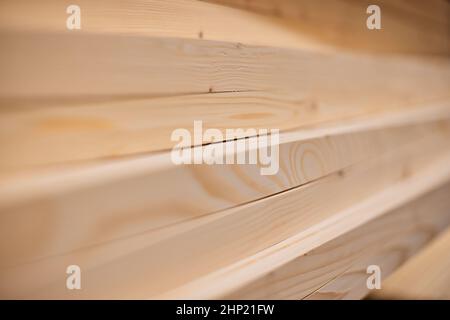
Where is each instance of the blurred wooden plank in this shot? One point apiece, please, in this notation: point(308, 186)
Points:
point(42, 136)
point(264, 85)
point(180, 257)
point(223, 281)
point(362, 136)
point(408, 26)
point(190, 19)
point(64, 66)
point(413, 27)
point(352, 284)
point(337, 269)
point(425, 276)
point(150, 193)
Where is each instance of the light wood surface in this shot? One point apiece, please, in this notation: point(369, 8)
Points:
point(118, 66)
point(425, 276)
point(188, 19)
point(225, 280)
point(122, 84)
point(115, 112)
point(407, 26)
point(216, 240)
point(338, 269)
point(150, 193)
point(86, 175)
point(40, 137)
point(412, 27)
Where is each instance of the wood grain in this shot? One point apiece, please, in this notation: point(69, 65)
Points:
point(150, 193)
point(43, 73)
point(337, 269)
point(223, 281)
point(411, 27)
point(205, 245)
point(408, 27)
point(425, 276)
point(189, 19)
point(86, 175)
point(35, 136)
point(45, 65)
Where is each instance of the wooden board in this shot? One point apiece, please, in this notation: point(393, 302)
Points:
point(119, 66)
point(216, 240)
point(227, 279)
point(425, 276)
point(56, 135)
point(42, 125)
point(407, 26)
point(86, 175)
point(338, 268)
point(108, 92)
point(414, 27)
point(150, 193)
point(188, 19)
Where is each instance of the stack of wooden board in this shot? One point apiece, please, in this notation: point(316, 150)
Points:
point(411, 282)
point(87, 176)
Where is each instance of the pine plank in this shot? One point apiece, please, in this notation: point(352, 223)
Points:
point(120, 66)
point(150, 193)
point(222, 239)
point(223, 281)
point(44, 136)
point(264, 85)
point(337, 269)
point(424, 276)
point(411, 27)
point(189, 19)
